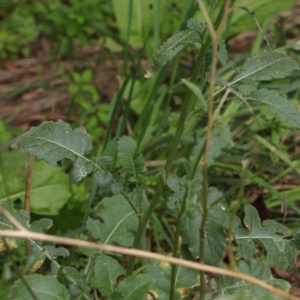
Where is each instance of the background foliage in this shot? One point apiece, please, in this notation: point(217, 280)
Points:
point(131, 170)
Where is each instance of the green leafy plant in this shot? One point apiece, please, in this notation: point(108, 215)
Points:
point(204, 226)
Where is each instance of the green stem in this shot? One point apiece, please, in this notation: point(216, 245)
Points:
point(171, 155)
point(232, 261)
point(176, 245)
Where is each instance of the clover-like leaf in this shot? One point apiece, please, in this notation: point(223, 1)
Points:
point(270, 235)
point(54, 141)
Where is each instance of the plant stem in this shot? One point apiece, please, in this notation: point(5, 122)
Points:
point(215, 36)
point(171, 155)
point(232, 261)
point(176, 244)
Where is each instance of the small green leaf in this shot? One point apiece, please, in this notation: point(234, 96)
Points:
point(197, 92)
point(119, 222)
point(126, 145)
point(173, 183)
point(44, 287)
point(267, 65)
point(87, 76)
point(107, 270)
point(133, 288)
point(270, 235)
point(168, 50)
point(75, 278)
point(54, 141)
point(103, 179)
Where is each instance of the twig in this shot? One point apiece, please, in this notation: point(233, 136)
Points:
point(24, 233)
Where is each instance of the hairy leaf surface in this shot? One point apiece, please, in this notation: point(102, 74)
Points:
point(106, 271)
point(267, 65)
point(270, 235)
point(126, 145)
point(44, 287)
point(168, 50)
point(278, 106)
point(54, 141)
point(119, 222)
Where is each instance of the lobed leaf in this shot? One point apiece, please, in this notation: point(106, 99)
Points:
point(168, 50)
point(126, 145)
point(255, 267)
point(270, 235)
point(267, 65)
point(278, 106)
point(54, 141)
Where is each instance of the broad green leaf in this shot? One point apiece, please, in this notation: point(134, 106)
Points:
point(44, 288)
point(270, 235)
point(106, 271)
point(168, 51)
point(278, 106)
point(133, 288)
point(267, 65)
point(161, 273)
point(255, 267)
point(119, 222)
point(142, 17)
point(54, 141)
point(50, 189)
point(126, 145)
point(215, 237)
